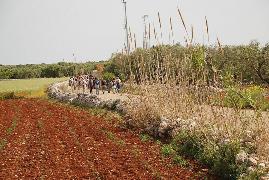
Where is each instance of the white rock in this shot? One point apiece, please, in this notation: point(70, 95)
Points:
point(163, 126)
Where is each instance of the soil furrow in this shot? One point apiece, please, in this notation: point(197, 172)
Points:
point(53, 141)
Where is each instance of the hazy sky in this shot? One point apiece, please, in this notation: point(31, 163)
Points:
point(46, 31)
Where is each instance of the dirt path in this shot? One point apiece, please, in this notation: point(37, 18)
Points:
point(52, 141)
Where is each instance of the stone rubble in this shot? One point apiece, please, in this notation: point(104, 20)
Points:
point(89, 100)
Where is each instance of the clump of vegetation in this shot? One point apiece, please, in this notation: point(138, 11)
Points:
point(7, 95)
point(167, 150)
point(221, 158)
point(13, 126)
point(112, 136)
point(250, 97)
point(3, 142)
point(145, 137)
point(179, 160)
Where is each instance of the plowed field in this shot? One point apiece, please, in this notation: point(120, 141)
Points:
point(44, 140)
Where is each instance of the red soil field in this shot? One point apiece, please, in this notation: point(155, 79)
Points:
point(53, 141)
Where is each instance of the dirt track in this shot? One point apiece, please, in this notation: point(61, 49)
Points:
point(41, 139)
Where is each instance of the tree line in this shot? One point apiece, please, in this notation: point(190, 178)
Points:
point(61, 69)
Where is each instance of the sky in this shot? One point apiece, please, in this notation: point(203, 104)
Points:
point(49, 31)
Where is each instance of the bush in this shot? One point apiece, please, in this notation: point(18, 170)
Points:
point(255, 97)
point(221, 158)
point(250, 97)
point(187, 144)
point(108, 76)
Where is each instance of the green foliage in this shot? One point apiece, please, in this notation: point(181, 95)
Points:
point(198, 58)
point(13, 126)
point(188, 144)
point(221, 158)
point(61, 69)
point(110, 135)
point(167, 150)
point(3, 142)
point(255, 96)
point(108, 76)
point(249, 97)
point(145, 137)
point(114, 67)
point(252, 175)
point(177, 159)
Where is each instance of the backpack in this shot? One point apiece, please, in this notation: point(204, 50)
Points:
point(97, 82)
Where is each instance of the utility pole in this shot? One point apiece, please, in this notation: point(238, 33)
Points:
point(126, 27)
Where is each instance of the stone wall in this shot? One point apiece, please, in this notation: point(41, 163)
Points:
point(56, 91)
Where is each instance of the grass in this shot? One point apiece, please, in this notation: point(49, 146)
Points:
point(167, 150)
point(145, 137)
point(113, 137)
point(27, 87)
point(13, 126)
point(3, 142)
point(179, 160)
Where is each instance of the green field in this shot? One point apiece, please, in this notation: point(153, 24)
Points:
point(28, 87)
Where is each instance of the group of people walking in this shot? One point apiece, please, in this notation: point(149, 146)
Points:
point(104, 85)
point(90, 82)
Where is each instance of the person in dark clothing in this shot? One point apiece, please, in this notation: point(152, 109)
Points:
point(103, 85)
point(91, 84)
point(97, 85)
point(109, 85)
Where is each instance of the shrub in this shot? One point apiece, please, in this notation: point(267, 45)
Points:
point(255, 96)
point(108, 76)
point(187, 144)
point(250, 97)
point(221, 158)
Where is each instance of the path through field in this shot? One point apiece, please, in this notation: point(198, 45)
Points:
point(45, 140)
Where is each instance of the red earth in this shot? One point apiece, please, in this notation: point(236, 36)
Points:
point(40, 139)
